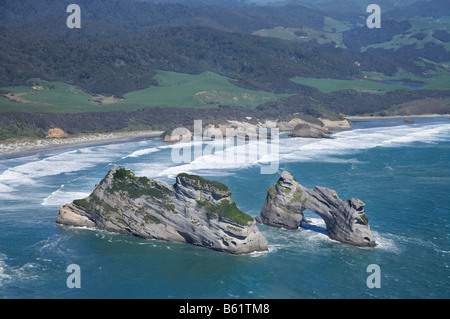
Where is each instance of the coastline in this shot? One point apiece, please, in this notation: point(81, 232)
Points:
point(27, 147)
point(394, 117)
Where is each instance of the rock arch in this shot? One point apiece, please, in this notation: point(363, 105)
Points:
point(345, 220)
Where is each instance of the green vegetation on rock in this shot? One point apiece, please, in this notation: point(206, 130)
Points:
point(364, 218)
point(298, 195)
point(135, 187)
point(83, 203)
point(201, 182)
point(226, 209)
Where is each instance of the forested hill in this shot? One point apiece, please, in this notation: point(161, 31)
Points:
point(305, 58)
point(123, 43)
point(135, 15)
point(127, 62)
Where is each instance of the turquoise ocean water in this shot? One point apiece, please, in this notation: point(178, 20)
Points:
point(401, 171)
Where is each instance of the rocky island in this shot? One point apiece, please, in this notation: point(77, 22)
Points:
point(345, 221)
point(194, 210)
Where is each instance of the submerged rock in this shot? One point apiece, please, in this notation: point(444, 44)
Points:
point(194, 210)
point(345, 220)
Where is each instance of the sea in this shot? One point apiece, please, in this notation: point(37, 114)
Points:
point(400, 170)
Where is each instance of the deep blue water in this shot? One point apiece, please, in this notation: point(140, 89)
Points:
point(401, 171)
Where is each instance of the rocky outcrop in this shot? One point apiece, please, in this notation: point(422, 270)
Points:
point(260, 129)
point(336, 125)
point(345, 221)
point(183, 137)
point(309, 131)
point(194, 210)
point(56, 133)
point(297, 127)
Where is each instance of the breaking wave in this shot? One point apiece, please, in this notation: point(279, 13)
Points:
point(142, 152)
point(354, 141)
point(59, 198)
point(306, 150)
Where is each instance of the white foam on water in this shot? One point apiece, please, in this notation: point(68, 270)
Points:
point(151, 170)
point(386, 242)
point(316, 221)
point(142, 152)
point(9, 273)
point(260, 253)
point(428, 134)
point(59, 198)
point(225, 158)
point(4, 276)
point(316, 233)
point(5, 188)
point(354, 141)
point(71, 161)
point(220, 155)
point(303, 149)
point(303, 237)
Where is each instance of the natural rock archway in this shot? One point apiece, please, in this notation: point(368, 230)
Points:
point(345, 220)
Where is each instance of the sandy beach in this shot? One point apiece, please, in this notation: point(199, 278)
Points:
point(25, 147)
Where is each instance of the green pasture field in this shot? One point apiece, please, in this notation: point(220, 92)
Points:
point(204, 90)
point(332, 85)
point(53, 97)
point(175, 90)
point(331, 32)
point(435, 80)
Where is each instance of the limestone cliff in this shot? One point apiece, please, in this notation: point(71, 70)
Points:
point(194, 210)
point(345, 220)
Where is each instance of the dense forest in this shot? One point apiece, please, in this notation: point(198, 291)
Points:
point(359, 37)
point(127, 62)
point(138, 15)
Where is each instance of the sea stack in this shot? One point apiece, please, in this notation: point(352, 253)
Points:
point(345, 221)
point(194, 210)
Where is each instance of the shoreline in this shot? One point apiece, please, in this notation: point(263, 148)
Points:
point(395, 117)
point(28, 147)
